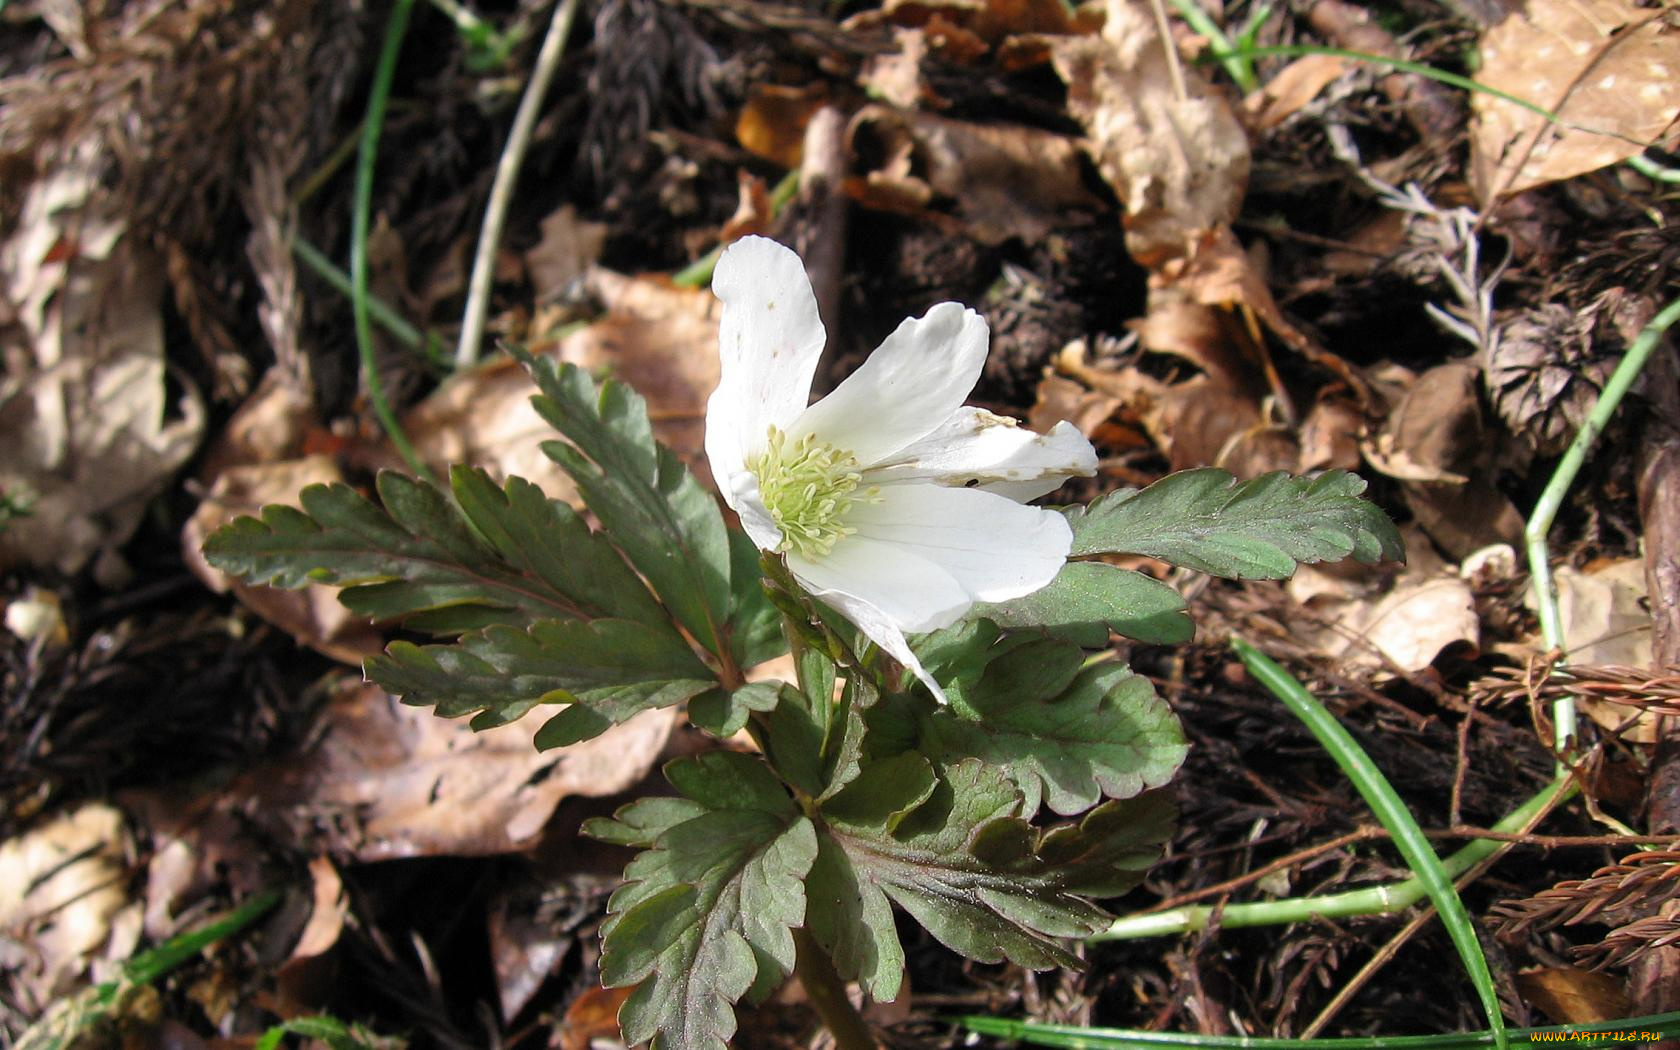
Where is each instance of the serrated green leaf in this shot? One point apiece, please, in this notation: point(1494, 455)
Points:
point(657, 513)
point(1086, 600)
point(1258, 529)
point(614, 667)
point(723, 713)
point(548, 540)
point(1068, 740)
point(969, 867)
point(708, 912)
point(422, 556)
point(642, 822)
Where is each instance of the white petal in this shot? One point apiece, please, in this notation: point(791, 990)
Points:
point(915, 594)
point(993, 547)
point(769, 340)
point(975, 448)
point(910, 384)
point(885, 592)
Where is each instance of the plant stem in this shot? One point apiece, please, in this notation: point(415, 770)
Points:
point(827, 993)
point(1373, 900)
point(1551, 500)
point(507, 174)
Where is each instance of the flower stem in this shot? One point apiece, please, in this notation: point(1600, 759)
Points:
point(827, 993)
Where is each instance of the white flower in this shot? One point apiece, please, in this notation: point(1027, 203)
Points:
point(891, 501)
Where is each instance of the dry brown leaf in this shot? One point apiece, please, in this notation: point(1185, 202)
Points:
point(1330, 434)
point(1002, 181)
point(1060, 398)
point(1567, 995)
point(569, 246)
point(483, 417)
point(1295, 85)
point(1191, 421)
point(1159, 133)
point(1609, 69)
point(593, 1017)
point(89, 433)
point(1606, 621)
point(660, 339)
point(387, 780)
point(1414, 623)
point(1218, 272)
point(1436, 444)
point(772, 123)
point(311, 615)
point(304, 980)
point(64, 904)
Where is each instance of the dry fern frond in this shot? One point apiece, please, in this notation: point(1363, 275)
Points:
point(1657, 692)
point(1637, 897)
point(1627, 943)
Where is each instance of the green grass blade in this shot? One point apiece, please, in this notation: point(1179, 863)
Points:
point(149, 965)
point(1585, 1036)
point(379, 96)
point(1380, 795)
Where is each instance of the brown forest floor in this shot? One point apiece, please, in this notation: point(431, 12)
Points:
point(1349, 268)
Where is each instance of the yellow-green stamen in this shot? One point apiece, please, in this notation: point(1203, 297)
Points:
point(808, 487)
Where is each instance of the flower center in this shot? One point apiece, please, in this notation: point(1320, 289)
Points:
point(808, 486)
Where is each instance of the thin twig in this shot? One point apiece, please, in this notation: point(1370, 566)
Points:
point(507, 174)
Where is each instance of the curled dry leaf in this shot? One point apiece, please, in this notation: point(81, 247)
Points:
point(1610, 71)
point(1436, 444)
point(64, 903)
point(85, 417)
point(386, 780)
point(1158, 131)
point(1291, 89)
point(1002, 181)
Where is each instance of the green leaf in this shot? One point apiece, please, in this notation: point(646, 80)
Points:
point(1064, 735)
point(706, 915)
point(755, 627)
point(1088, 599)
point(642, 822)
point(722, 713)
point(653, 508)
point(968, 866)
point(613, 668)
point(1254, 530)
point(498, 555)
